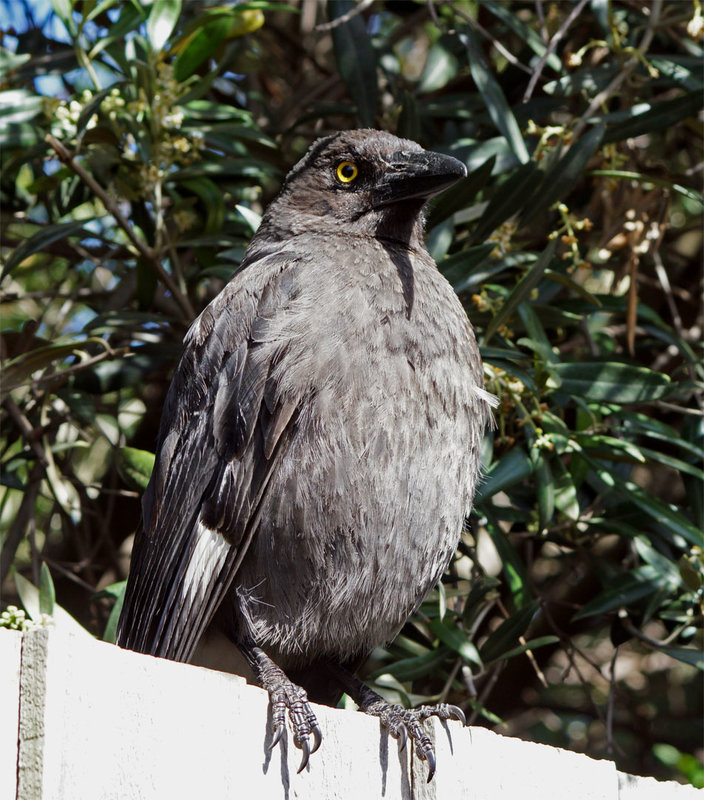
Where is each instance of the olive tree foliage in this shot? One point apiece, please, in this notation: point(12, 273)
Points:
point(140, 142)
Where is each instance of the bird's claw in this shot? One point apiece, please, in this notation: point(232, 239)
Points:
point(289, 699)
point(403, 723)
point(317, 735)
point(303, 744)
point(430, 758)
point(401, 733)
point(457, 713)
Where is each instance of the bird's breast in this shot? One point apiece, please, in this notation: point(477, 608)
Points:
point(366, 507)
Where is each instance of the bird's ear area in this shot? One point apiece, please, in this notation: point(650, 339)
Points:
point(416, 174)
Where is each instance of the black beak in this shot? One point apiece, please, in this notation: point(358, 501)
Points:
point(416, 175)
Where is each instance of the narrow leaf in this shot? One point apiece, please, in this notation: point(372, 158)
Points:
point(456, 640)
point(507, 634)
point(611, 382)
point(494, 98)
point(41, 239)
point(563, 175)
point(356, 60)
point(660, 115)
point(512, 468)
point(521, 291)
point(162, 21)
point(623, 591)
point(47, 593)
point(508, 200)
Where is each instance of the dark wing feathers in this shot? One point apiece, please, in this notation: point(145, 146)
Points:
point(224, 428)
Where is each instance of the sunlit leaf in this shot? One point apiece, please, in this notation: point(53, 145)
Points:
point(612, 382)
point(161, 22)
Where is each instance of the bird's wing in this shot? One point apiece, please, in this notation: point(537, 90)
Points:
point(225, 426)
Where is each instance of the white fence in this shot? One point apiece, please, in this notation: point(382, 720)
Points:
point(83, 720)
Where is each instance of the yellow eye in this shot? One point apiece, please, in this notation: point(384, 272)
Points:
point(346, 171)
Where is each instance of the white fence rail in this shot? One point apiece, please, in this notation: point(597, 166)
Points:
point(83, 720)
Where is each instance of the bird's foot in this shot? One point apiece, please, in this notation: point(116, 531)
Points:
point(408, 722)
point(287, 699)
point(401, 722)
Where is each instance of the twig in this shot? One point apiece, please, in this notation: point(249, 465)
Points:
point(615, 84)
point(112, 207)
point(694, 412)
point(486, 691)
point(495, 42)
point(353, 12)
point(572, 16)
point(26, 429)
point(22, 519)
point(611, 704)
point(531, 656)
point(643, 637)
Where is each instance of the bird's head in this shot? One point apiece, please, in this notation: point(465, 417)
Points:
point(362, 182)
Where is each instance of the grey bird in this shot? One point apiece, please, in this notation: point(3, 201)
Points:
point(319, 444)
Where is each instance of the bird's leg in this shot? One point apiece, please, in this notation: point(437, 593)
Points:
point(285, 697)
point(401, 722)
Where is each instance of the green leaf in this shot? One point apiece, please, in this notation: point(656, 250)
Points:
point(566, 500)
point(212, 201)
point(589, 81)
point(687, 71)
point(47, 593)
point(136, 466)
point(506, 636)
point(664, 114)
point(131, 17)
point(408, 126)
point(93, 104)
point(410, 669)
point(494, 98)
point(162, 21)
point(692, 194)
point(576, 288)
point(201, 44)
point(563, 175)
point(508, 15)
point(521, 291)
point(508, 200)
point(624, 590)
point(17, 371)
point(512, 468)
point(458, 267)
point(456, 639)
point(611, 382)
point(694, 658)
point(118, 591)
point(41, 239)
point(513, 566)
point(545, 489)
point(356, 60)
point(674, 525)
point(440, 68)
point(532, 644)
point(29, 595)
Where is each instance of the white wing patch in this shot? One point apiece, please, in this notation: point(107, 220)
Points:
point(206, 561)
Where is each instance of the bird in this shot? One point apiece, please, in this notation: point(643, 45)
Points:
point(319, 444)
